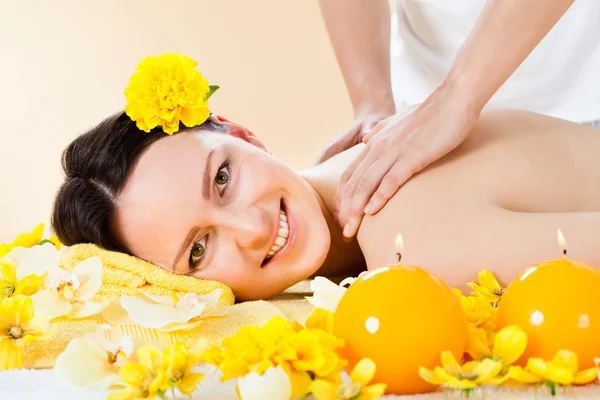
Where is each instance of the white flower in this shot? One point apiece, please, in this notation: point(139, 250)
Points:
point(326, 294)
point(92, 363)
point(273, 384)
point(211, 387)
point(165, 313)
point(69, 293)
point(33, 260)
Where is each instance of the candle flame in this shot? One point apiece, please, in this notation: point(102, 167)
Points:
point(561, 241)
point(399, 244)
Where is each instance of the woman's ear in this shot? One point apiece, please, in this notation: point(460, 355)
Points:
point(239, 131)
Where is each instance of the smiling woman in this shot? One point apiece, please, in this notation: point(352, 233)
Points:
point(212, 203)
point(208, 202)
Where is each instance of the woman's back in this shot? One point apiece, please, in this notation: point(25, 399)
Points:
point(496, 201)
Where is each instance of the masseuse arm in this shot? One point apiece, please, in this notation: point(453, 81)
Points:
point(360, 34)
point(402, 145)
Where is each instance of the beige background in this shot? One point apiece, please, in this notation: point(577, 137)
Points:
point(65, 64)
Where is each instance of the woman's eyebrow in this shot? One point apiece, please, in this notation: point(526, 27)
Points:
point(206, 178)
point(184, 245)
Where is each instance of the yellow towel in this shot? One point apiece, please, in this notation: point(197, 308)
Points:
point(122, 273)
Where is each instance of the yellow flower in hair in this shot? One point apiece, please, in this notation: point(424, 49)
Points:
point(167, 90)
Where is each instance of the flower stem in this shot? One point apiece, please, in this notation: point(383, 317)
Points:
point(161, 394)
point(552, 386)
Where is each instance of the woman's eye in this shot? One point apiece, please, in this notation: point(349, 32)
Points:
point(197, 252)
point(222, 178)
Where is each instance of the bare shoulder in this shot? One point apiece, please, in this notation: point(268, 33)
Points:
point(511, 161)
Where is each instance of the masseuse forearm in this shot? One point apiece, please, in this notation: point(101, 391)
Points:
point(504, 35)
point(360, 34)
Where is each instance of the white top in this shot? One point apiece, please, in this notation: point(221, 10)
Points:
point(561, 77)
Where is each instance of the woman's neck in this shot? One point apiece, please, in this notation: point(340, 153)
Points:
point(344, 257)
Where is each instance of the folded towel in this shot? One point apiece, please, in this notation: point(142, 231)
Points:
point(124, 274)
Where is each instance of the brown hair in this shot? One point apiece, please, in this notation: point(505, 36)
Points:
point(97, 165)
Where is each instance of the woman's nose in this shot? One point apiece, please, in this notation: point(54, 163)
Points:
point(253, 229)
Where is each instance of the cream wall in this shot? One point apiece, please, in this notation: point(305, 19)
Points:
point(65, 64)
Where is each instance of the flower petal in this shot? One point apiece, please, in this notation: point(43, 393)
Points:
point(274, 384)
point(166, 300)
point(150, 357)
point(190, 382)
point(34, 260)
point(89, 273)
point(323, 390)
point(28, 285)
point(9, 272)
point(477, 344)
point(487, 369)
point(51, 305)
point(152, 315)
point(434, 377)
point(373, 392)
point(87, 309)
point(363, 372)
point(116, 314)
point(488, 280)
point(326, 294)
point(510, 344)
point(565, 359)
point(84, 365)
point(559, 375)
point(11, 356)
point(586, 376)
point(449, 363)
point(522, 376)
point(537, 366)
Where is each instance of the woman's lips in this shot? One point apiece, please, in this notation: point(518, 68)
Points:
point(290, 239)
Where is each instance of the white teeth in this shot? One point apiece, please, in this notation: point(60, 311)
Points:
point(282, 235)
point(284, 232)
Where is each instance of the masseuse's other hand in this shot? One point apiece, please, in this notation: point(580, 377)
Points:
point(397, 148)
point(352, 136)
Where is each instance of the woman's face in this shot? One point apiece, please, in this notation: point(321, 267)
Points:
point(216, 205)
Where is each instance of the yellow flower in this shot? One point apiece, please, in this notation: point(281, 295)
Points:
point(69, 293)
point(481, 317)
point(23, 240)
point(54, 240)
point(510, 344)
point(179, 363)
point(488, 288)
point(145, 379)
point(562, 370)
point(353, 387)
point(477, 342)
point(466, 377)
point(301, 353)
point(10, 286)
point(166, 90)
point(321, 319)
point(18, 328)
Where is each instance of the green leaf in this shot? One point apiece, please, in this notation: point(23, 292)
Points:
point(213, 89)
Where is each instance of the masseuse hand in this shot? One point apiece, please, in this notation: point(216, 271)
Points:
point(353, 135)
point(397, 148)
